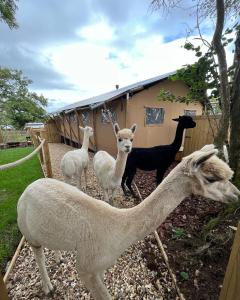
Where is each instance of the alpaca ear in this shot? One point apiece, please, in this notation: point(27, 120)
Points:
point(82, 129)
point(207, 147)
point(116, 128)
point(203, 156)
point(134, 128)
point(176, 119)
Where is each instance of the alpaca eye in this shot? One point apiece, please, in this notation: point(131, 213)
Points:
point(131, 140)
point(211, 179)
point(120, 140)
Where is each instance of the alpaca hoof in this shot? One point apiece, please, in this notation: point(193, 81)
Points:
point(48, 289)
point(127, 193)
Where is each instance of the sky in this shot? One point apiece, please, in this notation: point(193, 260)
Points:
point(76, 49)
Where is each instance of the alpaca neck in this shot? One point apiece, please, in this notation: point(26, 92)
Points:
point(149, 214)
point(85, 142)
point(178, 137)
point(120, 165)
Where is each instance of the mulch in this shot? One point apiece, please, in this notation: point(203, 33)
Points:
point(198, 256)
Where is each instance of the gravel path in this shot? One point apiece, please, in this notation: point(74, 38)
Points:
point(130, 278)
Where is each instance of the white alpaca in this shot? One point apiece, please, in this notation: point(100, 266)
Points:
point(75, 162)
point(58, 216)
point(110, 171)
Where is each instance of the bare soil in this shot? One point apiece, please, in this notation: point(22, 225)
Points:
point(192, 246)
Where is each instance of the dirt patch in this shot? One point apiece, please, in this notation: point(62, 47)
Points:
point(197, 253)
point(132, 277)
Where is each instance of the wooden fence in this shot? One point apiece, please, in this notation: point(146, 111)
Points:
point(231, 283)
point(39, 138)
point(202, 134)
point(37, 135)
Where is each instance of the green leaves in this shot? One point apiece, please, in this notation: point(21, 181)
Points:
point(7, 12)
point(17, 104)
point(178, 233)
point(184, 275)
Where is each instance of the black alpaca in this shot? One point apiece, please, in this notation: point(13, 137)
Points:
point(155, 158)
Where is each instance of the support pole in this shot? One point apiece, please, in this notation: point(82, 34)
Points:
point(47, 158)
point(231, 285)
point(164, 254)
point(3, 290)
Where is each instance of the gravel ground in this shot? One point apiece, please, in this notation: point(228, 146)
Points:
point(132, 277)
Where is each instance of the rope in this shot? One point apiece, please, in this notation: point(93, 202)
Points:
point(164, 254)
point(20, 161)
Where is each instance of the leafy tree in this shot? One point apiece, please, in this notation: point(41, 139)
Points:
point(7, 12)
point(17, 104)
point(226, 81)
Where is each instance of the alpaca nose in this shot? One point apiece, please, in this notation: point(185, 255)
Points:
point(127, 148)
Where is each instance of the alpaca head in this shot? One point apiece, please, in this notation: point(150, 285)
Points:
point(209, 175)
point(185, 121)
point(124, 137)
point(87, 130)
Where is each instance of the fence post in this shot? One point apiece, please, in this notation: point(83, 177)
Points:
point(40, 152)
point(1, 136)
point(231, 285)
point(47, 154)
point(3, 290)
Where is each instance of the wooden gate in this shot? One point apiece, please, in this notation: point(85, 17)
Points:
point(202, 134)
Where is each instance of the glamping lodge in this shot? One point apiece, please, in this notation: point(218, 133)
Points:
point(136, 103)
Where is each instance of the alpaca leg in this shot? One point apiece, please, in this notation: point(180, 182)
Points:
point(85, 175)
point(40, 259)
point(159, 176)
point(129, 182)
point(95, 285)
point(106, 196)
point(58, 256)
point(67, 179)
point(123, 185)
point(79, 181)
point(112, 198)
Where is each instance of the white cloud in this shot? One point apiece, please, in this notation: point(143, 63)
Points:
point(100, 31)
point(88, 66)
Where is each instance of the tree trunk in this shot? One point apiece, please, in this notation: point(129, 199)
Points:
point(235, 112)
point(222, 135)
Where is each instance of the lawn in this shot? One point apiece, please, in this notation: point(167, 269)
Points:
point(12, 183)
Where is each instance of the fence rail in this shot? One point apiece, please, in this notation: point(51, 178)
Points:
point(39, 138)
point(202, 134)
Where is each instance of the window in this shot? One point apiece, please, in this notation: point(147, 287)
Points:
point(85, 118)
point(108, 114)
point(189, 112)
point(72, 117)
point(154, 115)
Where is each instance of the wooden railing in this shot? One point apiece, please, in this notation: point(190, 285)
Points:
point(41, 146)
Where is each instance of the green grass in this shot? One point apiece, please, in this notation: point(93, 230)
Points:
point(12, 183)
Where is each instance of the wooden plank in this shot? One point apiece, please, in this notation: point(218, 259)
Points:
point(12, 263)
point(70, 128)
point(64, 129)
point(196, 138)
point(47, 158)
point(1, 137)
point(231, 283)
point(40, 152)
point(94, 143)
point(3, 290)
point(78, 124)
